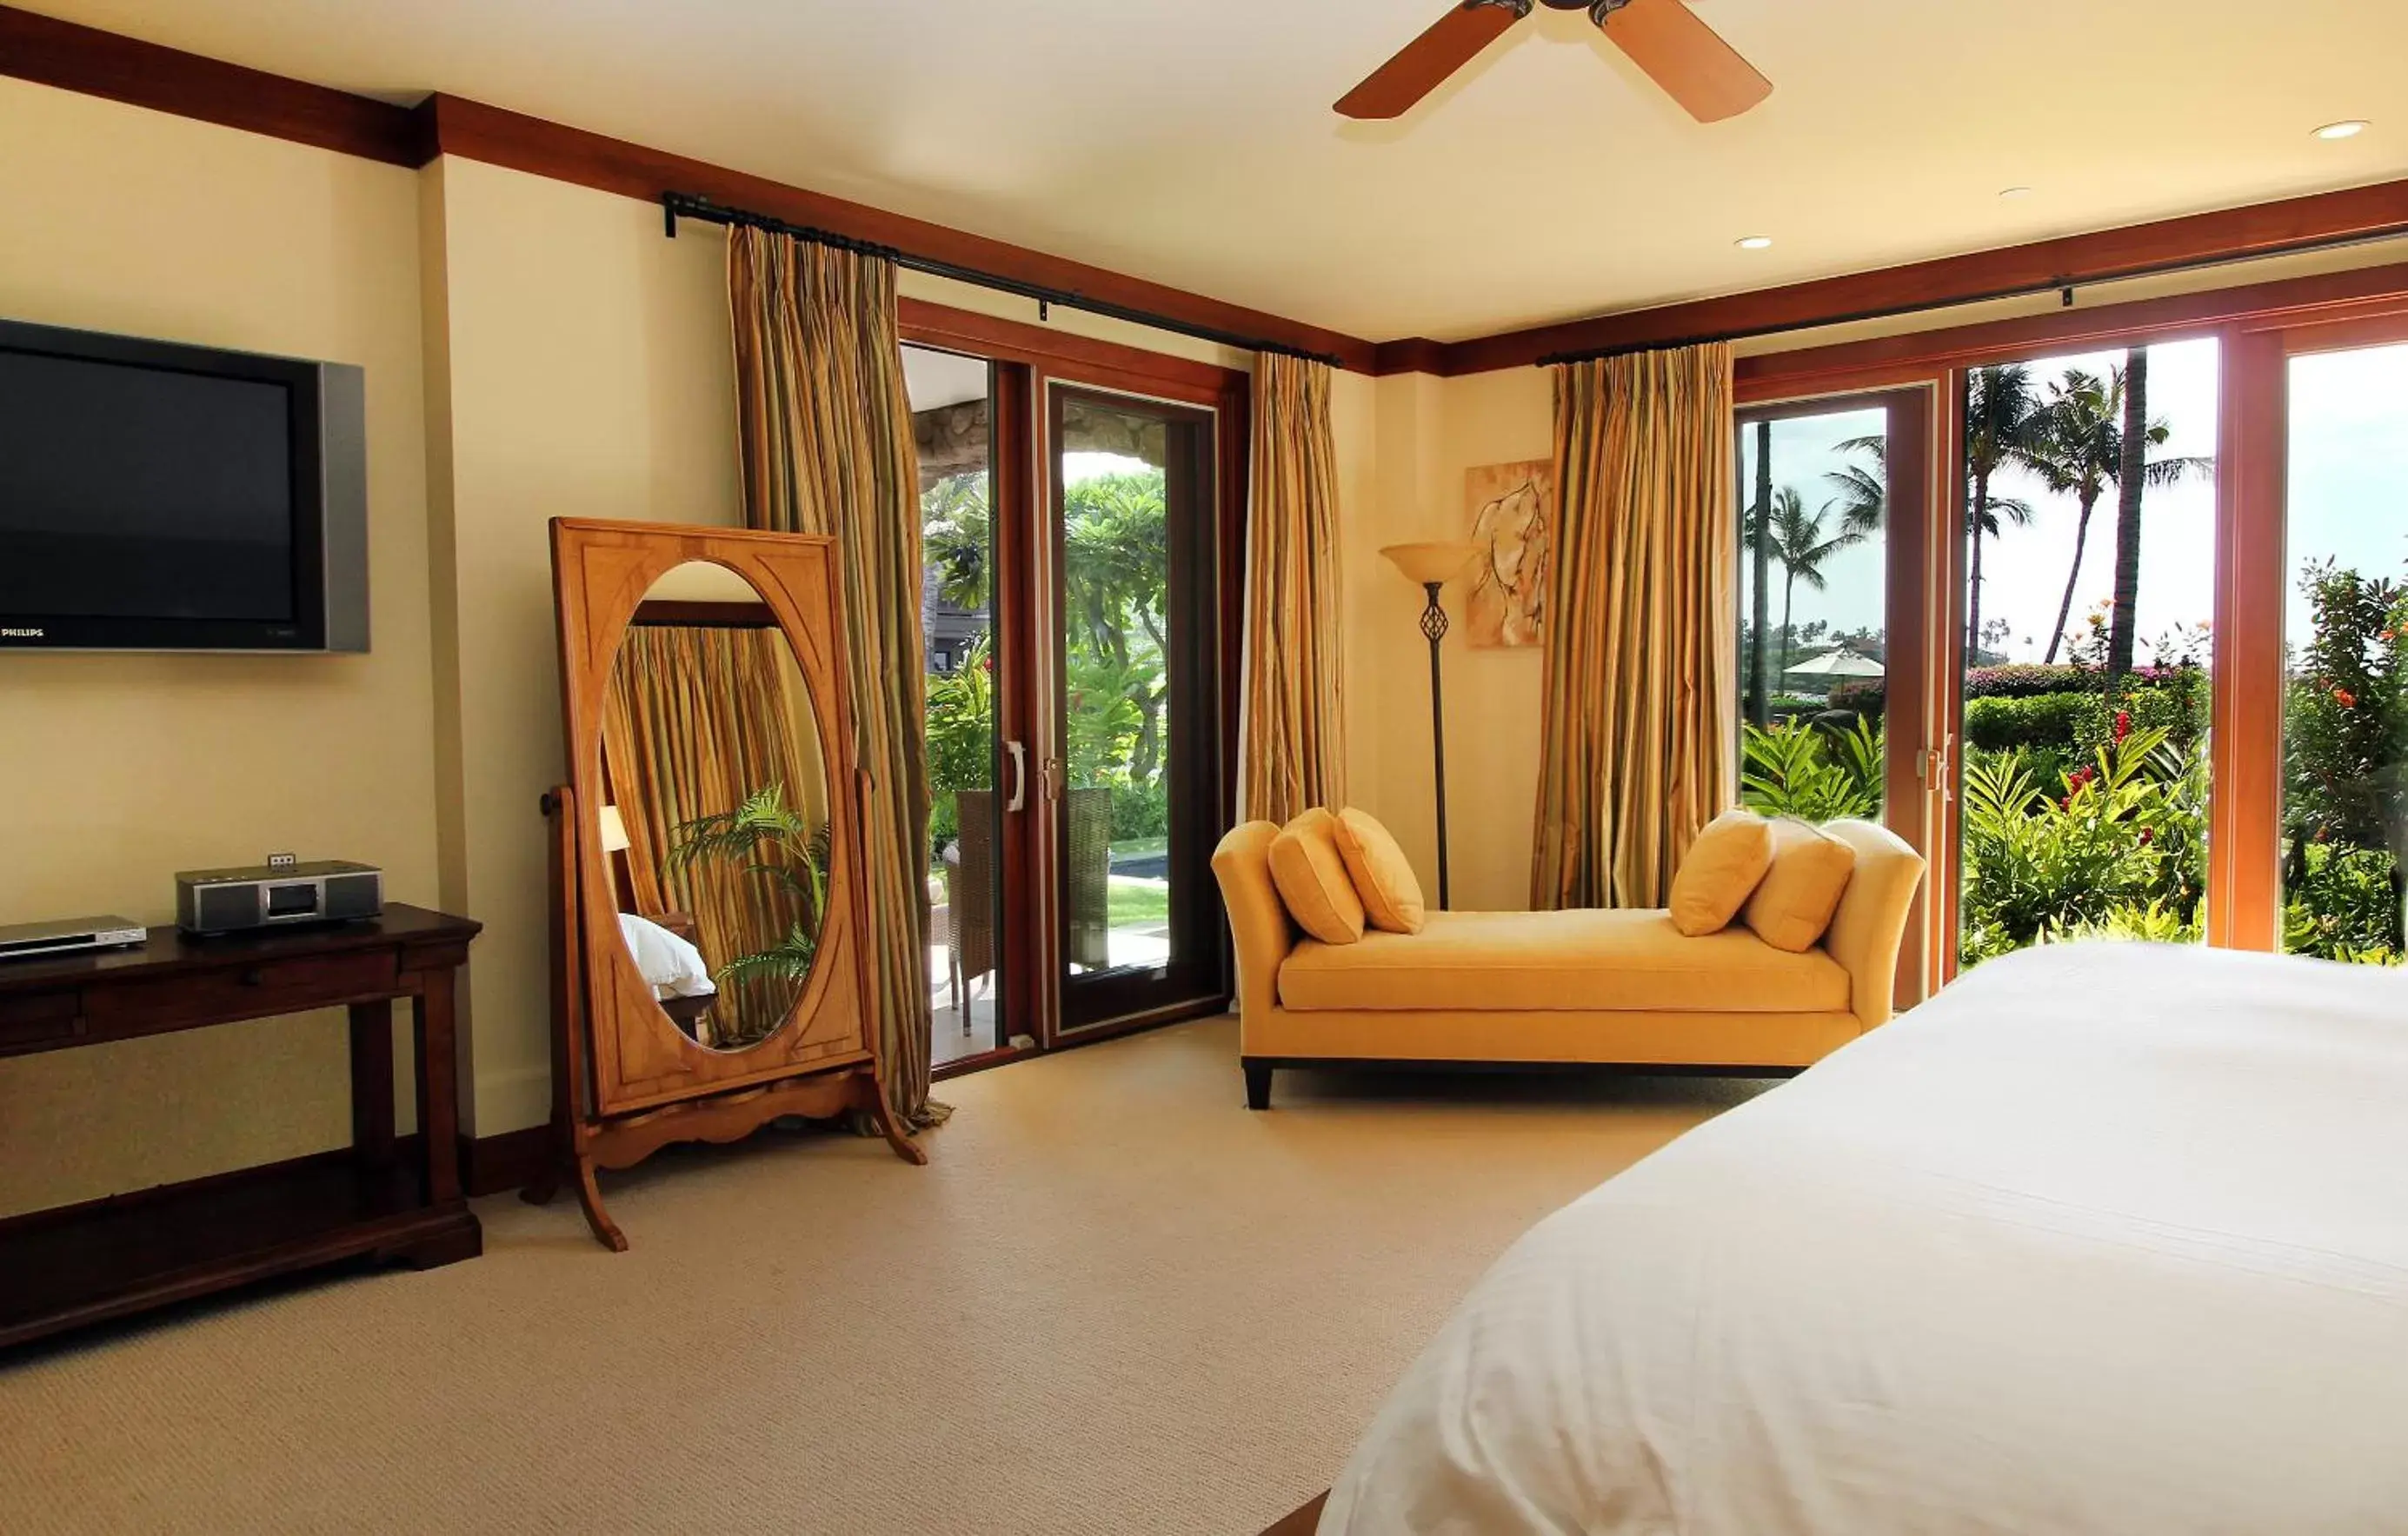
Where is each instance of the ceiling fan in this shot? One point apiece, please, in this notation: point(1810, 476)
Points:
point(1680, 53)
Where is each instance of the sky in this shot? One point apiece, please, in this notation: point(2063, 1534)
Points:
point(2348, 500)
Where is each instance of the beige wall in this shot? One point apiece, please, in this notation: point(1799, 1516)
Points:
point(588, 376)
point(117, 771)
point(1428, 432)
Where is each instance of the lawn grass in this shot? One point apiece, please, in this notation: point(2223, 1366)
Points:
point(1138, 904)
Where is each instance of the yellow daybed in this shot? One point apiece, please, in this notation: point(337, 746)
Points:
point(1607, 987)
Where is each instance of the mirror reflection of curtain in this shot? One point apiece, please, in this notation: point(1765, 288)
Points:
point(698, 719)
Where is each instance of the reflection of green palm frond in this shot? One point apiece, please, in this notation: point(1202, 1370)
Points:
point(789, 960)
point(771, 841)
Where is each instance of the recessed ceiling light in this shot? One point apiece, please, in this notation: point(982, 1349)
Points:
point(2015, 192)
point(2349, 129)
point(1756, 242)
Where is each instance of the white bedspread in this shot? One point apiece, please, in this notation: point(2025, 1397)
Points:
point(2106, 1239)
point(669, 966)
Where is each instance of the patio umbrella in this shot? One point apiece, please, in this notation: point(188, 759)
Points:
point(1841, 662)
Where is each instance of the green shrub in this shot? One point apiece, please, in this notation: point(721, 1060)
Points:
point(2001, 724)
point(1140, 810)
point(2344, 905)
point(1801, 769)
point(2115, 846)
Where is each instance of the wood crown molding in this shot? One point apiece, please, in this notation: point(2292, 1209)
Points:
point(71, 57)
point(2338, 299)
point(2259, 229)
point(104, 63)
point(497, 136)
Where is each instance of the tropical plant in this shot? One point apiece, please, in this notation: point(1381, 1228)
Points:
point(770, 841)
point(2077, 449)
point(2000, 412)
point(956, 538)
point(2123, 834)
point(1802, 541)
point(961, 737)
point(1804, 770)
point(2346, 761)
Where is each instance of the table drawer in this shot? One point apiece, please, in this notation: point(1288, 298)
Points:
point(39, 1018)
point(272, 986)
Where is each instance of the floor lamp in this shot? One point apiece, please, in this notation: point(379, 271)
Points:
point(1431, 567)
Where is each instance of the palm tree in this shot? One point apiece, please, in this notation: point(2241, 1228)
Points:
point(1802, 541)
point(1757, 536)
point(1863, 499)
point(2132, 481)
point(2079, 451)
point(1999, 412)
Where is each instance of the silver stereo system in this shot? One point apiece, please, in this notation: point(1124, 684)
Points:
point(70, 936)
point(277, 893)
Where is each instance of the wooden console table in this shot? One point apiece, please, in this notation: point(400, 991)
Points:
point(80, 1264)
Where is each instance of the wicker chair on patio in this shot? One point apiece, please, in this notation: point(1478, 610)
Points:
point(969, 886)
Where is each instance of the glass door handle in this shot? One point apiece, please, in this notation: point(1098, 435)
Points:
point(1019, 776)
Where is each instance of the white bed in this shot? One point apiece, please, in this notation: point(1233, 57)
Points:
point(2105, 1238)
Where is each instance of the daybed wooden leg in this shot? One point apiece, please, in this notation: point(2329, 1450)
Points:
point(1259, 1084)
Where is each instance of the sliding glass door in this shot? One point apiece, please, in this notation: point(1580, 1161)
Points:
point(1832, 504)
point(954, 420)
point(1134, 777)
point(1073, 579)
point(2088, 552)
point(2343, 826)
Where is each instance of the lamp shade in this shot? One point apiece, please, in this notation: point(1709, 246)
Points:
point(1423, 564)
point(615, 830)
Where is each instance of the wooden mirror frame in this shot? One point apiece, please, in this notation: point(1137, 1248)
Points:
point(628, 1081)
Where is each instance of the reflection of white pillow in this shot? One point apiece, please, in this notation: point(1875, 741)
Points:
point(670, 967)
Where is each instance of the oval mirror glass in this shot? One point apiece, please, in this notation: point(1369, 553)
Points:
point(715, 821)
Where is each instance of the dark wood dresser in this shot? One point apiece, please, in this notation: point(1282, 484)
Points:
point(384, 1197)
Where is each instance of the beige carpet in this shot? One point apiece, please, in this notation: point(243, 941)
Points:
point(1116, 1302)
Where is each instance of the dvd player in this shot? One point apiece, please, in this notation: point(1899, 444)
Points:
point(24, 940)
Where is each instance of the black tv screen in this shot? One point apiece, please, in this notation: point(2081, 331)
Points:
point(132, 492)
point(154, 495)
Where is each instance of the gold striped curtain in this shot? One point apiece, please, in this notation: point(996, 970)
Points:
point(825, 428)
point(1636, 719)
point(1294, 723)
point(695, 722)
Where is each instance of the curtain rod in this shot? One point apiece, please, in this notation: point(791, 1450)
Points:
point(679, 205)
point(2064, 286)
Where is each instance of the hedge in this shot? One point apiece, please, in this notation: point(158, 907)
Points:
point(2049, 720)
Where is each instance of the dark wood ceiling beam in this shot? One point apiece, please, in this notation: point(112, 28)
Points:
point(2261, 229)
point(49, 52)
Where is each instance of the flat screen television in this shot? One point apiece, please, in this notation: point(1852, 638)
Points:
point(163, 497)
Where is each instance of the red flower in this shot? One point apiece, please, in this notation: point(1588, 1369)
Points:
point(2148, 836)
point(2123, 723)
point(986, 664)
point(2344, 697)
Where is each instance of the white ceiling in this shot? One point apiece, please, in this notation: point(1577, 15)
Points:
point(934, 378)
point(1191, 141)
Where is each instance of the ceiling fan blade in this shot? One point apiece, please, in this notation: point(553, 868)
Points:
point(1685, 56)
point(1424, 65)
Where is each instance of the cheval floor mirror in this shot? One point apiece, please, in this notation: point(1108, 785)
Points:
point(711, 967)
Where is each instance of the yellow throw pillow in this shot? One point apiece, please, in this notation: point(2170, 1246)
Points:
point(1794, 903)
point(1720, 869)
point(1383, 877)
point(1313, 882)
